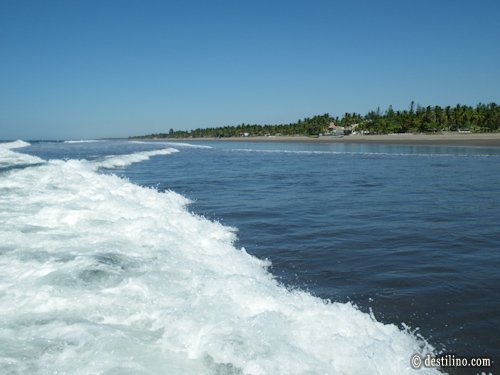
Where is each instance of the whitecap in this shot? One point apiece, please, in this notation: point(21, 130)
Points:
point(119, 161)
point(103, 276)
point(84, 141)
point(360, 153)
point(14, 144)
point(175, 144)
point(10, 159)
point(190, 145)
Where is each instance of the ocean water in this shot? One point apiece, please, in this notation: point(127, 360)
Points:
point(121, 257)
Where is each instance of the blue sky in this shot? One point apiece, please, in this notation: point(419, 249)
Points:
point(89, 69)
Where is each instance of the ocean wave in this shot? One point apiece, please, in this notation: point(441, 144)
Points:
point(84, 141)
point(175, 144)
point(10, 159)
point(13, 145)
point(358, 153)
point(190, 145)
point(119, 161)
point(103, 276)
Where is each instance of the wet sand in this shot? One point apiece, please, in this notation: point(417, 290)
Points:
point(442, 139)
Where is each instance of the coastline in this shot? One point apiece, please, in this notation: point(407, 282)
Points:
point(442, 139)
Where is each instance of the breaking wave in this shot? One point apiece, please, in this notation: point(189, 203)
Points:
point(85, 141)
point(175, 144)
point(381, 154)
point(120, 161)
point(182, 144)
point(10, 159)
point(99, 275)
point(13, 145)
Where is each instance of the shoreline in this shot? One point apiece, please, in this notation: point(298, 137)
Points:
point(443, 139)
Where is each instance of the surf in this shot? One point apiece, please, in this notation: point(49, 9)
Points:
point(100, 275)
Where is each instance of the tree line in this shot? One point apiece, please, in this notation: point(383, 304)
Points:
point(416, 119)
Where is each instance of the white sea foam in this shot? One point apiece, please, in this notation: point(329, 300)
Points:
point(12, 145)
point(190, 145)
point(175, 144)
point(117, 161)
point(84, 141)
point(9, 158)
point(362, 153)
point(98, 275)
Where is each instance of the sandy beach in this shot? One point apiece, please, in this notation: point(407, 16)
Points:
point(442, 139)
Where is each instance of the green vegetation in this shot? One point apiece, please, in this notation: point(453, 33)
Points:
point(479, 119)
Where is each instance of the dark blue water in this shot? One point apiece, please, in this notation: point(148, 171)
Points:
point(411, 232)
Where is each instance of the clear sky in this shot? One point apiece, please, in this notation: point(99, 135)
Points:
point(86, 69)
